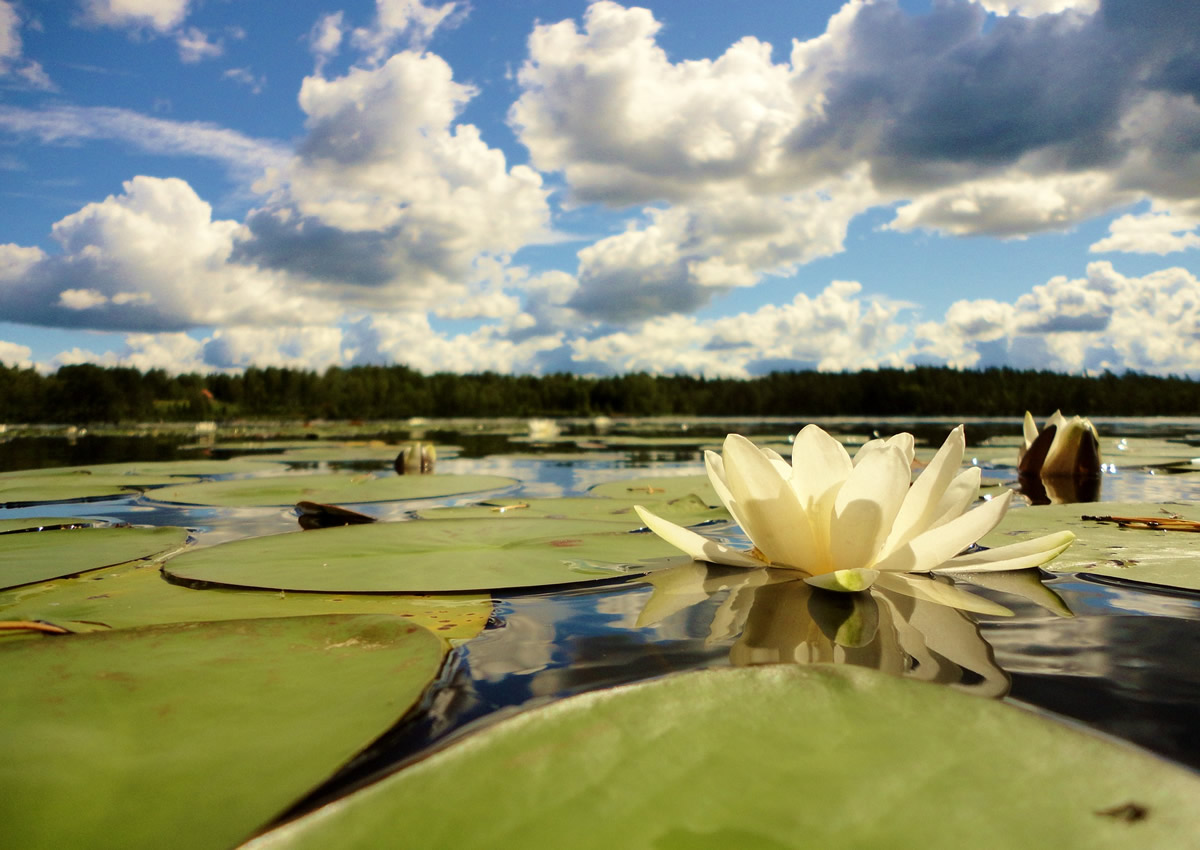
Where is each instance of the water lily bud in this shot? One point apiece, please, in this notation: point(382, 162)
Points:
point(1062, 449)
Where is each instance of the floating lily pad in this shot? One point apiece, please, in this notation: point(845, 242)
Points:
point(139, 595)
point(428, 557)
point(67, 486)
point(40, 523)
point(654, 491)
point(196, 735)
point(148, 470)
point(767, 757)
point(37, 556)
point(686, 510)
point(334, 488)
point(1169, 558)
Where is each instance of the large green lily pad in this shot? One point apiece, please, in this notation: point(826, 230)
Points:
point(40, 555)
point(138, 594)
point(1168, 558)
point(38, 523)
point(107, 480)
point(333, 488)
point(653, 491)
point(195, 735)
point(424, 556)
point(770, 757)
point(686, 510)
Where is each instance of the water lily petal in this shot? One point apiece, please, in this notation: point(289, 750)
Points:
point(866, 507)
point(931, 590)
point(1029, 430)
point(962, 491)
point(715, 467)
point(921, 503)
point(697, 546)
point(936, 546)
point(1015, 556)
point(845, 581)
point(770, 513)
point(819, 463)
point(906, 443)
point(867, 448)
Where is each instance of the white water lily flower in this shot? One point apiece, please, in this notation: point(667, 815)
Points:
point(844, 522)
point(1063, 448)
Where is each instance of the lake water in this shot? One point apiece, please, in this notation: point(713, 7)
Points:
point(1124, 664)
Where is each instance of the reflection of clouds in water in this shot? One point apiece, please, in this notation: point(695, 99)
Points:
point(624, 609)
point(1073, 647)
point(528, 645)
point(1147, 486)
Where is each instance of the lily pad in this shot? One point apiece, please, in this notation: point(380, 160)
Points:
point(1167, 558)
point(686, 510)
point(150, 470)
point(67, 486)
point(37, 556)
point(428, 557)
point(196, 735)
point(42, 523)
point(654, 491)
point(767, 757)
point(334, 488)
point(139, 595)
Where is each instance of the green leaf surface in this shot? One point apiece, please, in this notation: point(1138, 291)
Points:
point(654, 491)
point(139, 595)
point(424, 556)
point(770, 757)
point(334, 488)
point(149, 470)
point(686, 510)
point(49, 523)
point(1167, 558)
point(193, 736)
point(41, 555)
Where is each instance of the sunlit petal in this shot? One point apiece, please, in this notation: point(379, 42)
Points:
point(819, 463)
point(771, 514)
point(963, 490)
point(1015, 556)
point(865, 508)
point(935, 547)
point(921, 503)
point(697, 546)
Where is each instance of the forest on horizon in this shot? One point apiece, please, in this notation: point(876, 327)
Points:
point(88, 393)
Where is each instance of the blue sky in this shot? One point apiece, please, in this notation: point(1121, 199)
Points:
point(701, 186)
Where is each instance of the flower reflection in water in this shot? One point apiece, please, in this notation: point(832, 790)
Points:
point(772, 617)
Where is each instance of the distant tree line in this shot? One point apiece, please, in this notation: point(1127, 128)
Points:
point(92, 394)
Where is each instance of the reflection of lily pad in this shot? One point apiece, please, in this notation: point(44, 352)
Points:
point(193, 736)
point(654, 491)
point(687, 510)
point(1170, 558)
point(427, 556)
point(36, 556)
point(139, 595)
point(331, 489)
point(777, 756)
